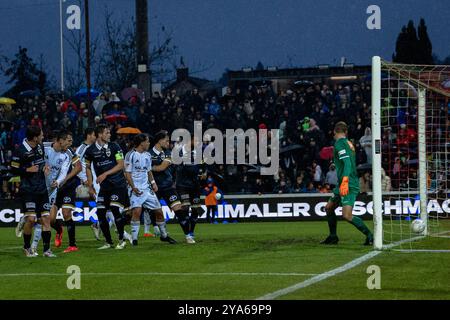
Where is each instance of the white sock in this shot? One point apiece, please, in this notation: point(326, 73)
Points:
point(147, 222)
point(126, 235)
point(110, 218)
point(162, 229)
point(37, 235)
point(135, 229)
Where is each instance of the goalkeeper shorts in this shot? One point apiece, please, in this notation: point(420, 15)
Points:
point(348, 200)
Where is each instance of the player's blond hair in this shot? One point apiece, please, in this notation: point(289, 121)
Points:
point(341, 127)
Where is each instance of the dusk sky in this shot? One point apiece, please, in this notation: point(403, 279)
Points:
point(237, 33)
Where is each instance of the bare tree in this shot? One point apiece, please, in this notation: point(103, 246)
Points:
point(75, 74)
point(118, 63)
point(163, 56)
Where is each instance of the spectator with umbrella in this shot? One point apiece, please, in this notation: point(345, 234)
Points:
point(83, 92)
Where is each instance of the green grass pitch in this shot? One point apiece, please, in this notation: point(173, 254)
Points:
point(229, 261)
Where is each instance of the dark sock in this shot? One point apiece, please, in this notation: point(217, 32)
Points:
point(153, 218)
point(57, 225)
point(361, 226)
point(46, 236)
point(26, 241)
point(120, 221)
point(192, 224)
point(196, 212)
point(104, 225)
point(332, 222)
point(70, 225)
point(183, 220)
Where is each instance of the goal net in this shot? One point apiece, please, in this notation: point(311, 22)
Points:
point(411, 161)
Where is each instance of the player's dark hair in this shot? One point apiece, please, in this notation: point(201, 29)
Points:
point(32, 132)
point(161, 135)
point(52, 135)
point(63, 134)
point(88, 131)
point(100, 128)
point(137, 140)
point(341, 127)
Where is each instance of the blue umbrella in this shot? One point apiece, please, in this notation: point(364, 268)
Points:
point(83, 93)
point(30, 93)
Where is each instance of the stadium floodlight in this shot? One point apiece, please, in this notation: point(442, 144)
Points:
point(349, 65)
point(247, 69)
point(410, 128)
point(323, 66)
point(272, 68)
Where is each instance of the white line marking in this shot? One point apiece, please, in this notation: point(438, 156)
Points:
point(160, 274)
point(331, 273)
point(420, 250)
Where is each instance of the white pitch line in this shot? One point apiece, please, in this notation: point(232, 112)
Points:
point(422, 250)
point(159, 274)
point(331, 273)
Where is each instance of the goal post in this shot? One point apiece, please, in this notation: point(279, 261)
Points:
point(421, 140)
point(410, 120)
point(376, 154)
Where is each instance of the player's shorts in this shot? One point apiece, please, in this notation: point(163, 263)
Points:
point(36, 205)
point(147, 200)
point(65, 199)
point(117, 197)
point(189, 197)
point(170, 196)
point(348, 200)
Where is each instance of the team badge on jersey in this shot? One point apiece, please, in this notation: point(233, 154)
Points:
point(108, 152)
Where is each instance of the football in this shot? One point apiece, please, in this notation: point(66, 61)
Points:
point(218, 196)
point(418, 226)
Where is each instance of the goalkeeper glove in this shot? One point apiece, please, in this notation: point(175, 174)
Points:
point(343, 189)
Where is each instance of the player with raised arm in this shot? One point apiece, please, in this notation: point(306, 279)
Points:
point(163, 174)
point(138, 166)
point(28, 162)
point(108, 163)
point(346, 192)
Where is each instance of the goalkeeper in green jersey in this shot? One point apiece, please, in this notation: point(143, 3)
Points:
point(348, 187)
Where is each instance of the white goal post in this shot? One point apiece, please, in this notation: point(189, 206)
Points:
point(410, 141)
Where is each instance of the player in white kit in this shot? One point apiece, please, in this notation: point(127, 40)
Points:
point(58, 161)
point(89, 138)
point(142, 187)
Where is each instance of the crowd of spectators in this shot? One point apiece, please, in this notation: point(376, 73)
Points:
point(304, 115)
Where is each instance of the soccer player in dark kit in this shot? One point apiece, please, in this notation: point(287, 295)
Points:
point(163, 175)
point(108, 163)
point(188, 182)
point(28, 162)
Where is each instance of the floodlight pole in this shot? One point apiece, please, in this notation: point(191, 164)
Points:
point(88, 64)
point(61, 44)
